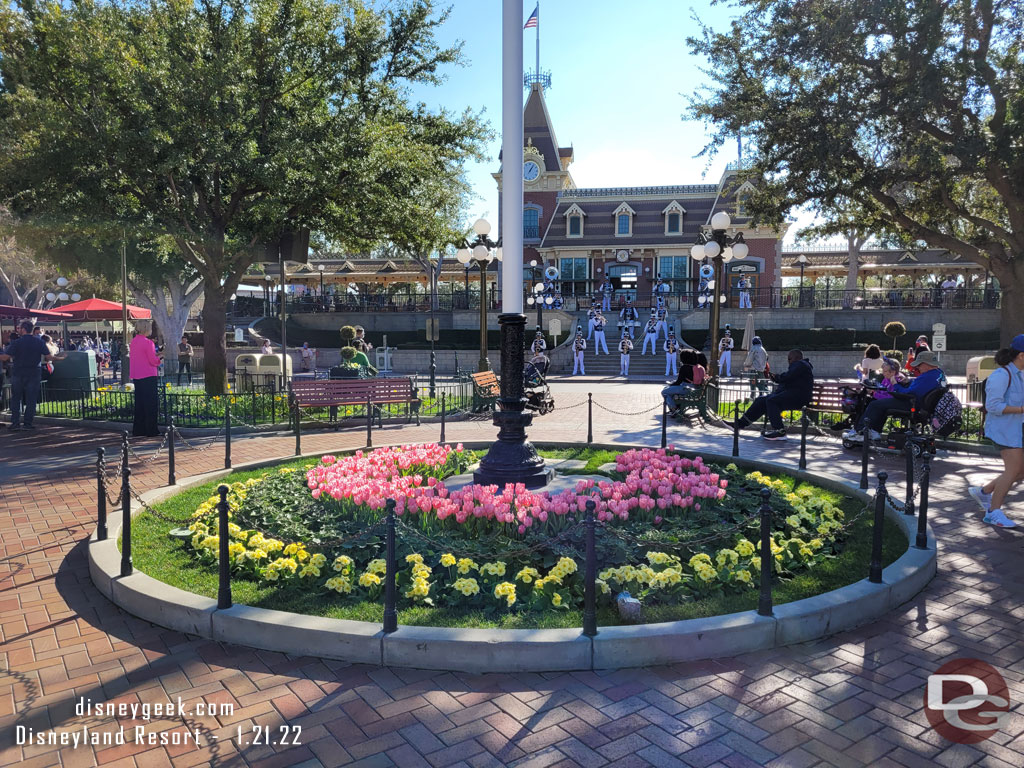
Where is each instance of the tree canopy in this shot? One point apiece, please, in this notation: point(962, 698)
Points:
point(222, 125)
point(911, 113)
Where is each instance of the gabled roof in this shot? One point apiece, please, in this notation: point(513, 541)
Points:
point(673, 206)
point(537, 126)
point(624, 208)
point(574, 209)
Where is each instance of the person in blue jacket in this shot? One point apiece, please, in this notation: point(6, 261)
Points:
point(793, 390)
point(931, 377)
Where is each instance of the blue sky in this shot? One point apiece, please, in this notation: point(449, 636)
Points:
point(620, 75)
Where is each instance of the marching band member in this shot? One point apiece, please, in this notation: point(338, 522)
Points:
point(599, 340)
point(651, 335)
point(744, 286)
point(725, 354)
point(625, 347)
point(591, 316)
point(578, 346)
point(628, 316)
point(662, 315)
point(539, 346)
point(606, 291)
point(657, 289)
point(671, 355)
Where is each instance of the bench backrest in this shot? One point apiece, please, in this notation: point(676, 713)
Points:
point(485, 379)
point(352, 391)
point(827, 397)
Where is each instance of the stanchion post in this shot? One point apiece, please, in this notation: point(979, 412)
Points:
point(443, 404)
point(922, 510)
point(590, 417)
point(391, 574)
point(875, 571)
point(293, 409)
point(803, 439)
point(590, 576)
point(101, 497)
point(126, 510)
point(172, 477)
point(736, 429)
point(908, 504)
point(369, 422)
point(223, 556)
point(227, 431)
point(764, 601)
point(865, 447)
point(664, 424)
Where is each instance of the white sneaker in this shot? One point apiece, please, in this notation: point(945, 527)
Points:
point(984, 499)
point(873, 435)
point(853, 436)
point(997, 517)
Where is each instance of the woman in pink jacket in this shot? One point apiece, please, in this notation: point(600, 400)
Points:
point(144, 368)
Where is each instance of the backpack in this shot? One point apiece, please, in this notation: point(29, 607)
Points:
point(947, 415)
point(984, 389)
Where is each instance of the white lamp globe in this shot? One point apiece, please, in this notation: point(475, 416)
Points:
point(697, 252)
point(481, 226)
point(538, 287)
point(740, 251)
point(548, 300)
point(721, 299)
point(76, 296)
point(62, 281)
point(533, 262)
point(727, 255)
point(463, 255)
point(498, 253)
point(711, 249)
point(720, 220)
point(51, 296)
point(529, 300)
point(701, 299)
point(480, 252)
point(62, 296)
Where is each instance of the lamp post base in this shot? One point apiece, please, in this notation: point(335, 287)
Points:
point(512, 458)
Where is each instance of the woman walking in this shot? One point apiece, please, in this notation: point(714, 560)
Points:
point(144, 368)
point(1004, 423)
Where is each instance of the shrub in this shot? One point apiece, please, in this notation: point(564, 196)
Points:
point(894, 329)
point(347, 353)
point(348, 333)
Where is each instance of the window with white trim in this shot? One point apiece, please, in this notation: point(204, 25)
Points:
point(575, 226)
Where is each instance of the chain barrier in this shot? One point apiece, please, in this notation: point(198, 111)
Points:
point(208, 446)
point(156, 455)
point(114, 500)
point(154, 513)
point(254, 427)
point(653, 408)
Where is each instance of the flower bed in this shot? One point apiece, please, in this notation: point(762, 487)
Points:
point(673, 530)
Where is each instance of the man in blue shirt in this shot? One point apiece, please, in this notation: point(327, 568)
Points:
point(930, 378)
point(28, 352)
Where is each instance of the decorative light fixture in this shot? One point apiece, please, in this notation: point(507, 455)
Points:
point(721, 249)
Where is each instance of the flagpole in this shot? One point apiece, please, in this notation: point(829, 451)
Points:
point(538, 40)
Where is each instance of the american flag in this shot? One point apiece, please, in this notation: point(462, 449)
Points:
point(534, 19)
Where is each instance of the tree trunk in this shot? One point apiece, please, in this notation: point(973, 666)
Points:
point(853, 246)
point(215, 348)
point(170, 313)
point(1011, 285)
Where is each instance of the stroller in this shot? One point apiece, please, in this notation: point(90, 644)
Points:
point(535, 386)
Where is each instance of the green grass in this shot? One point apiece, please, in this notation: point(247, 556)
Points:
point(171, 561)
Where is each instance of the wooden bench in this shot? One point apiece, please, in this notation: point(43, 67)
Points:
point(485, 391)
point(695, 399)
point(334, 393)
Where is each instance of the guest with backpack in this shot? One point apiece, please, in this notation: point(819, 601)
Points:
point(1004, 424)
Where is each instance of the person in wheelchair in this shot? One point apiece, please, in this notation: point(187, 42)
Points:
point(902, 399)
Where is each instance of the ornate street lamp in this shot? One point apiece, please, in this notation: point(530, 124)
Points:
point(802, 261)
point(537, 296)
point(483, 251)
point(721, 249)
point(320, 269)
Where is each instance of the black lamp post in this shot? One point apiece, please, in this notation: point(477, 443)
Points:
point(536, 293)
point(320, 269)
point(483, 251)
point(802, 261)
point(721, 249)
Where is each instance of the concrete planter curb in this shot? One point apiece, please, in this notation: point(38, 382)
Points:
point(547, 650)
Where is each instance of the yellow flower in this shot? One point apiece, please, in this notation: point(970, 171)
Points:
point(377, 566)
point(744, 548)
point(726, 557)
point(339, 584)
point(743, 576)
point(493, 569)
point(310, 570)
point(466, 586)
point(527, 575)
point(414, 559)
point(603, 586)
point(369, 579)
point(465, 565)
point(318, 560)
point(657, 558)
point(447, 560)
point(556, 599)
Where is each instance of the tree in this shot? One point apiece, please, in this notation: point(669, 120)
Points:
point(223, 125)
point(909, 111)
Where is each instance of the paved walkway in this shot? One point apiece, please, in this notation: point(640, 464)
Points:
point(850, 700)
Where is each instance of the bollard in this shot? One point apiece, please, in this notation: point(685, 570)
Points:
point(126, 510)
point(664, 424)
point(390, 591)
point(590, 418)
point(875, 571)
point(803, 440)
point(172, 477)
point(293, 413)
point(736, 429)
point(223, 557)
point(922, 510)
point(369, 422)
point(865, 447)
point(101, 498)
point(908, 505)
point(590, 576)
point(227, 432)
point(764, 601)
point(442, 417)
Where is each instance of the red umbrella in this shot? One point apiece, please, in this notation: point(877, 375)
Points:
point(101, 309)
point(8, 312)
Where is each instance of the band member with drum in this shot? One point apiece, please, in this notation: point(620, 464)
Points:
point(599, 340)
point(744, 286)
point(539, 346)
point(625, 347)
point(725, 354)
point(578, 347)
point(662, 315)
point(671, 355)
point(651, 335)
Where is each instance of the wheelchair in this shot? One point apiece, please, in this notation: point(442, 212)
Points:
point(915, 424)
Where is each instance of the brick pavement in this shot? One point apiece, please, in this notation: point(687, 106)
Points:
point(848, 700)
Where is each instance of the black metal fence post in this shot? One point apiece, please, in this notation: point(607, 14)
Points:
point(803, 440)
point(391, 574)
point(764, 601)
point(227, 431)
point(369, 422)
point(908, 505)
point(875, 571)
point(101, 497)
point(293, 410)
point(126, 510)
point(922, 510)
point(736, 429)
point(664, 424)
point(224, 581)
point(590, 417)
point(172, 477)
point(865, 447)
point(443, 405)
point(590, 576)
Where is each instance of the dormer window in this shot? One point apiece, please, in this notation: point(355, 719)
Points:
point(623, 220)
point(574, 221)
point(742, 198)
point(673, 214)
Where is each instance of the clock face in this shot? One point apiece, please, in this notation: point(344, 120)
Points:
point(530, 170)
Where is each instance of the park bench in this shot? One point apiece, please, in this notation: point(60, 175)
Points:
point(695, 400)
point(335, 393)
point(485, 391)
